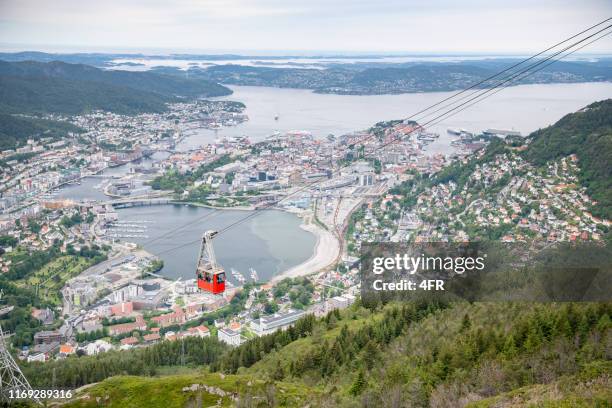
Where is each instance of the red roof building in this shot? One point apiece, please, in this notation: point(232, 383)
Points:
point(151, 338)
point(130, 341)
point(170, 319)
point(123, 328)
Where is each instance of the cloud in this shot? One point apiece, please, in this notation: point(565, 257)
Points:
point(351, 25)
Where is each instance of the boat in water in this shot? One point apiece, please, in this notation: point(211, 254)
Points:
point(238, 276)
point(427, 137)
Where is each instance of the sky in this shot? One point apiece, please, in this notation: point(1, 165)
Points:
point(301, 26)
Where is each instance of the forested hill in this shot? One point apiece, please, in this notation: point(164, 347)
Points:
point(16, 130)
point(588, 134)
point(398, 355)
point(58, 87)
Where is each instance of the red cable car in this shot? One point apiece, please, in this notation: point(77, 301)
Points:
point(211, 277)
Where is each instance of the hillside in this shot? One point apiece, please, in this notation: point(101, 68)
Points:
point(197, 390)
point(397, 355)
point(587, 389)
point(376, 78)
point(341, 74)
point(466, 352)
point(143, 81)
point(40, 95)
point(588, 134)
point(590, 388)
point(16, 130)
point(58, 87)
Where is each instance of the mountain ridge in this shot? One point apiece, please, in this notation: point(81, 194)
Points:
point(59, 87)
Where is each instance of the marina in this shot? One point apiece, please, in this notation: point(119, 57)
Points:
point(275, 240)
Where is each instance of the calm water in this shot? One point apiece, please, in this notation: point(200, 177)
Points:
point(270, 242)
point(90, 187)
point(525, 108)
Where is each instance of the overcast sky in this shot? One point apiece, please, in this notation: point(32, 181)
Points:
point(379, 26)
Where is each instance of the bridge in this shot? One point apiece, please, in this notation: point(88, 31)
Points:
point(139, 202)
point(103, 176)
point(135, 201)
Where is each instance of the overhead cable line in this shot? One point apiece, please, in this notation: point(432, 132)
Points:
point(482, 94)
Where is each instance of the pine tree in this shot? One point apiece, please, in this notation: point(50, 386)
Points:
point(359, 384)
point(534, 339)
point(604, 323)
point(510, 349)
point(465, 323)
point(370, 354)
point(561, 326)
point(583, 327)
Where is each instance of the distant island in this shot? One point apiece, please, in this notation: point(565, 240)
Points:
point(384, 78)
point(339, 74)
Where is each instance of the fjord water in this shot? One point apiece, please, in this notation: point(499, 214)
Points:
point(524, 108)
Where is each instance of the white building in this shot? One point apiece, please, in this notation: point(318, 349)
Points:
point(98, 346)
point(339, 302)
point(229, 336)
point(37, 357)
point(366, 179)
point(269, 324)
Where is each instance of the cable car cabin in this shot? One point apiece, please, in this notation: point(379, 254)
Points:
point(210, 275)
point(211, 281)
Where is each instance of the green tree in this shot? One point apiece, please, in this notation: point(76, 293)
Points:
point(359, 384)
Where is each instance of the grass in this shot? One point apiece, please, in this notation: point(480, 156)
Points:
point(203, 389)
point(248, 334)
point(577, 391)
